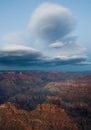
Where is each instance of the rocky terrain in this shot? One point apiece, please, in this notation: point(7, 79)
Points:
point(37, 100)
point(44, 117)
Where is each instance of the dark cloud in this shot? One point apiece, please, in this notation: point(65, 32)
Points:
point(18, 55)
point(35, 58)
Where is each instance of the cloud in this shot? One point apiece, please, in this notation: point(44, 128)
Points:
point(63, 42)
point(65, 60)
point(57, 45)
point(25, 56)
point(67, 46)
point(16, 55)
point(47, 42)
point(12, 48)
point(51, 22)
point(52, 25)
point(84, 63)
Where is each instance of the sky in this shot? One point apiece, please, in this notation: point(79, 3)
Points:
point(45, 35)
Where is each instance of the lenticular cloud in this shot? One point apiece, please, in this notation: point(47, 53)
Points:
point(51, 22)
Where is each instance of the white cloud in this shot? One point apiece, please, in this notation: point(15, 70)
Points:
point(72, 57)
point(17, 47)
point(18, 50)
point(57, 44)
point(51, 22)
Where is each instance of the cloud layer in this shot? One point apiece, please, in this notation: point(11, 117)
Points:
point(25, 56)
point(48, 40)
point(18, 55)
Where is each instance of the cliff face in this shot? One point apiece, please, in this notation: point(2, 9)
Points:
point(12, 118)
point(44, 117)
point(53, 118)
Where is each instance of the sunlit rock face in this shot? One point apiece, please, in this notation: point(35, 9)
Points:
point(44, 117)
